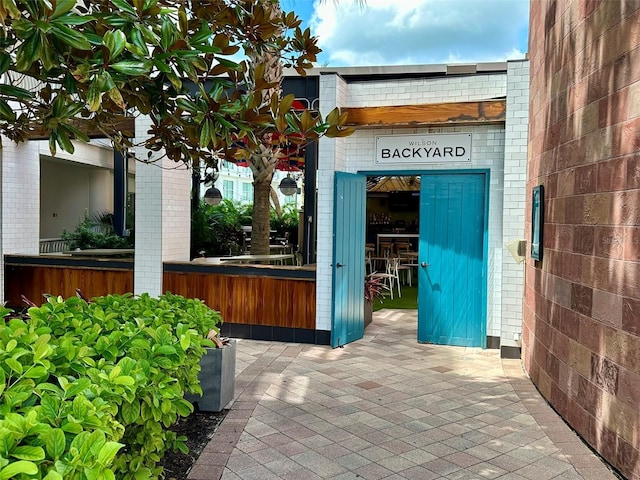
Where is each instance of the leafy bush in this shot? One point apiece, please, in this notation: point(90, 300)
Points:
point(96, 232)
point(374, 288)
point(88, 391)
point(286, 225)
point(217, 229)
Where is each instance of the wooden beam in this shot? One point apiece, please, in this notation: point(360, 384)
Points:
point(126, 125)
point(485, 111)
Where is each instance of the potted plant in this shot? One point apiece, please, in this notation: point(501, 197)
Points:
point(374, 288)
point(217, 375)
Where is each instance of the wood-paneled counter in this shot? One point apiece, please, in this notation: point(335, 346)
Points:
point(262, 302)
point(266, 302)
point(36, 276)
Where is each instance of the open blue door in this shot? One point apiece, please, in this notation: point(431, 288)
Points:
point(452, 272)
point(347, 322)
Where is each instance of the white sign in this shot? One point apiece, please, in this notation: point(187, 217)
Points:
point(427, 148)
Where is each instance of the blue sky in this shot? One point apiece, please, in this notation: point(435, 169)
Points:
point(412, 32)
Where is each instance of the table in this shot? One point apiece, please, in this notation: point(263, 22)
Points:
point(394, 236)
point(100, 252)
point(279, 257)
point(379, 264)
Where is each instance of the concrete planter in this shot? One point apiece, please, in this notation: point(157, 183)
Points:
point(217, 378)
point(368, 313)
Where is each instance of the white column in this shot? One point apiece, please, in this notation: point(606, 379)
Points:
point(331, 157)
point(515, 178)
point(20, 195)
point(162, 231)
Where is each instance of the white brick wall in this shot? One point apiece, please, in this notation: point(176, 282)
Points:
point(331, 157)
point(426, 90)
point(492, 147)
point(176, 202)
point(514, 196)
point(162, 222)
point(163, 230)
point(20, 196)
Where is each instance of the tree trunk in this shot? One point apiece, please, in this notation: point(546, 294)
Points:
point(263, 162)
point(261, 222)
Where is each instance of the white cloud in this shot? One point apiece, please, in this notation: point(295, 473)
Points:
point(395, 32)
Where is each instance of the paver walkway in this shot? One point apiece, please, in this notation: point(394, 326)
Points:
point(387, 407)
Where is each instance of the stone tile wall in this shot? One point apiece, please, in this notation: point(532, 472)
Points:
point(581, 343)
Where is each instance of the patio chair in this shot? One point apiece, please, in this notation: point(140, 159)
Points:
point(390, 276)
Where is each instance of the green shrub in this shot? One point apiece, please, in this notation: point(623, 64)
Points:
point(96, 232)
point(216, 230)
point(88, 391)
point(52, 425)
point(286, 225)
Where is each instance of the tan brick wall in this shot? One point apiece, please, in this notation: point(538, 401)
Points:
point(581, 332)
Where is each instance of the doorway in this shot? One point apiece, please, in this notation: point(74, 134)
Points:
point(393, 206)
point(440, 219)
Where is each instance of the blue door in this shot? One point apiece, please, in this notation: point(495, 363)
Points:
point(347, 322)
point(452, 273)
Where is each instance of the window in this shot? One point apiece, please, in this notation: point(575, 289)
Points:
point(247, 192)
point(227, 189)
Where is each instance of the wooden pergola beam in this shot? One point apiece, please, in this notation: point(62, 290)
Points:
point(126, 125)
point(481, 112)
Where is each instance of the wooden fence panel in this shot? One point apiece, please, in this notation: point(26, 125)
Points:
point(252, 300)
point(36, 281)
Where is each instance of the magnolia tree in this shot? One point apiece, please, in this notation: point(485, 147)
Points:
point(70, 67)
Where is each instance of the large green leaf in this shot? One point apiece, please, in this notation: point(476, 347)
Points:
point(132, 67)
point(16, 468)
point(62, 7)
point(73, 19)
point(124, 5)
point(28, 52)
point(115, 41)
point(28, 452)
point(14, 365)
point(70, 37)
point(37, 371)
point(5, 62)
point(108, 452)
point(55, 443)
point(138, 40)
point(94, 95)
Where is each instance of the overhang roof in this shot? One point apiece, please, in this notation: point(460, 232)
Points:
point(393, 184)
point(406, 71)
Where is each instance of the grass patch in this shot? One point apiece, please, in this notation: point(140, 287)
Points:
point(408, 301)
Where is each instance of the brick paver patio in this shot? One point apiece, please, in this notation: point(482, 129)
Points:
point(387, 407)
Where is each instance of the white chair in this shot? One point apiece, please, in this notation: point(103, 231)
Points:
point(368, 265)
point(390, 275)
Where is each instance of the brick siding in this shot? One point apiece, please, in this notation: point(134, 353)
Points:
point(582, 302)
